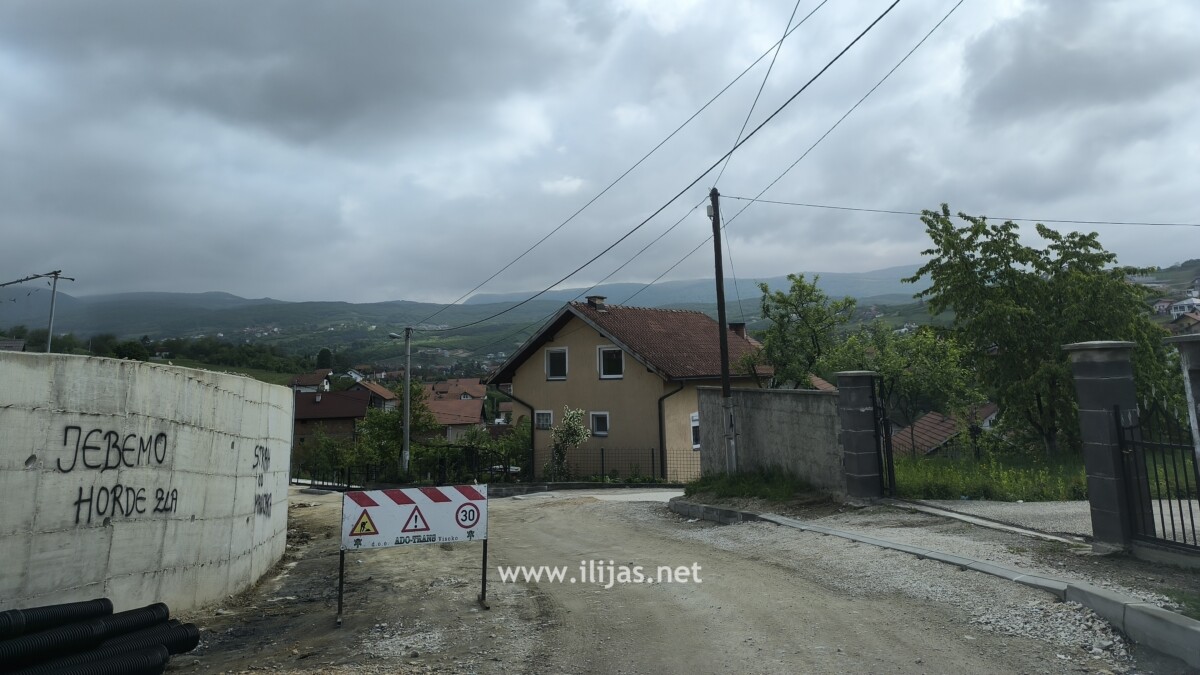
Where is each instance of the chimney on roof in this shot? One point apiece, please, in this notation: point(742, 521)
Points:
point(738, 328)
point(596, 301)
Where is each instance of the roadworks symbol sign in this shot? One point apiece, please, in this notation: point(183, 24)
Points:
point(364, 526)
point(416, 522)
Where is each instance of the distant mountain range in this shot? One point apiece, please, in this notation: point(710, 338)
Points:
point(867, 286)
point(160, 315)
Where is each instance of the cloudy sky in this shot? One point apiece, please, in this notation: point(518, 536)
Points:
point(368, 151)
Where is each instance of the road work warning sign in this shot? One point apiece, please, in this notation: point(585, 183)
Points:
point(430, 515)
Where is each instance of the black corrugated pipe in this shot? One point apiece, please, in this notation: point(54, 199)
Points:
point(138, 634)
point(178, 639)
point(77, 636)
point(16, 622)
point(134, 619)
point(149, 661)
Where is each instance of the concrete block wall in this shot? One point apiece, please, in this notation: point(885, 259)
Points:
point(137, 481)
point(796, 430)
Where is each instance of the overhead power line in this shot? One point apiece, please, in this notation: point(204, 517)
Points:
point(749, 114)
point(1057, 221)
point(815, 143)
point(698, 178)
point(637, 163)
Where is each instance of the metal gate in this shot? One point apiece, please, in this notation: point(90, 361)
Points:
point(1161, 476)
point(883, 439)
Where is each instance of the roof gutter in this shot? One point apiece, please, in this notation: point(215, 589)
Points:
point(532, 455)
point(662, 432)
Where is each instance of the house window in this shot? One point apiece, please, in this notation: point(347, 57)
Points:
point(599, 424)
point(612, 363)
point(556, 364)
point(543, 419)
point(695, 431)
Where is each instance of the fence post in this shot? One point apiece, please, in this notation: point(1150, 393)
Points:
point(860, 452)
point(1103, 376)
point(602, 474)
point(652, 474)
point(1189, 361)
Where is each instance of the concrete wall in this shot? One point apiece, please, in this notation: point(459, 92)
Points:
point(776, 428)
point(137, 481)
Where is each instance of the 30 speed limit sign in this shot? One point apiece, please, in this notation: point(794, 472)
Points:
point(467, 516)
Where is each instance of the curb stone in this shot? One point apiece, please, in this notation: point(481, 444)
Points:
point(1172, 634)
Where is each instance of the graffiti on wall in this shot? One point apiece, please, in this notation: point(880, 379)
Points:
point(101, 450)
point(262, 464)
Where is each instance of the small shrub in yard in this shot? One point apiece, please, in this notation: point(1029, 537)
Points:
point(994, 477)
point(772, 485)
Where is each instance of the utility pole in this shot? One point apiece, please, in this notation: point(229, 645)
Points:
point(407, 394)
point(726, 394)
point(53, 294)
point(55, 275)
point(407, 391)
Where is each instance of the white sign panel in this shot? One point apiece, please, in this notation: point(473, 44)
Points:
point(429, 515)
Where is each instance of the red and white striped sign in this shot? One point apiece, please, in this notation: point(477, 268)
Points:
point(428, 515)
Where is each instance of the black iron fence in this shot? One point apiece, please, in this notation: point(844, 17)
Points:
point(1161, 475)
point(625, 465)
point(440, 465)
point(883, 439)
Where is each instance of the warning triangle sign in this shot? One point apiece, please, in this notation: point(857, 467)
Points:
point(416, 522)
point(364, 526)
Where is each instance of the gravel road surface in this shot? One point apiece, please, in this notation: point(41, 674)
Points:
point(770, 600)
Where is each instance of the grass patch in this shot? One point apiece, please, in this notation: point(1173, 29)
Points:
point(1189, 603)
point(996, 477)
point(775, 486)
point(270, 377)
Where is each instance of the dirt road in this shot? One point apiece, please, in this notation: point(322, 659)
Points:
point(769, 600)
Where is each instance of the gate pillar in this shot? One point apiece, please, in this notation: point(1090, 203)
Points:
point(860, 453)
point(1103, 377)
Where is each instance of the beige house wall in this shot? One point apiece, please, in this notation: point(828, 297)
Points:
point(631, 403)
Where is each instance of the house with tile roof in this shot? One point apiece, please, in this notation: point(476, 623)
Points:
point(318, 380)
point(934, 430)
point(12, 345)
point(380, 396)
point(457, 415)
point(462, 388)
point(633, 371)
point(335, 413)
point(1185, 306)
point(1185, 324)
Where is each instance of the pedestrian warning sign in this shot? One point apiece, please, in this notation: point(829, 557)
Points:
point(364, 526)
point(416, 522)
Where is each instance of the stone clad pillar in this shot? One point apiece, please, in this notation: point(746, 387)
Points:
point(860, 454)
point(1103, 379)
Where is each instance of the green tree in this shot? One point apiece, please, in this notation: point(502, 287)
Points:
point(35, 340)
point(324, 358)
point(102, 344)
point(919, 370)
point(565, 436)
point(1015, 306)
point(132, 350)
point(513, 447)
point(381, 432)
point(802, 324)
